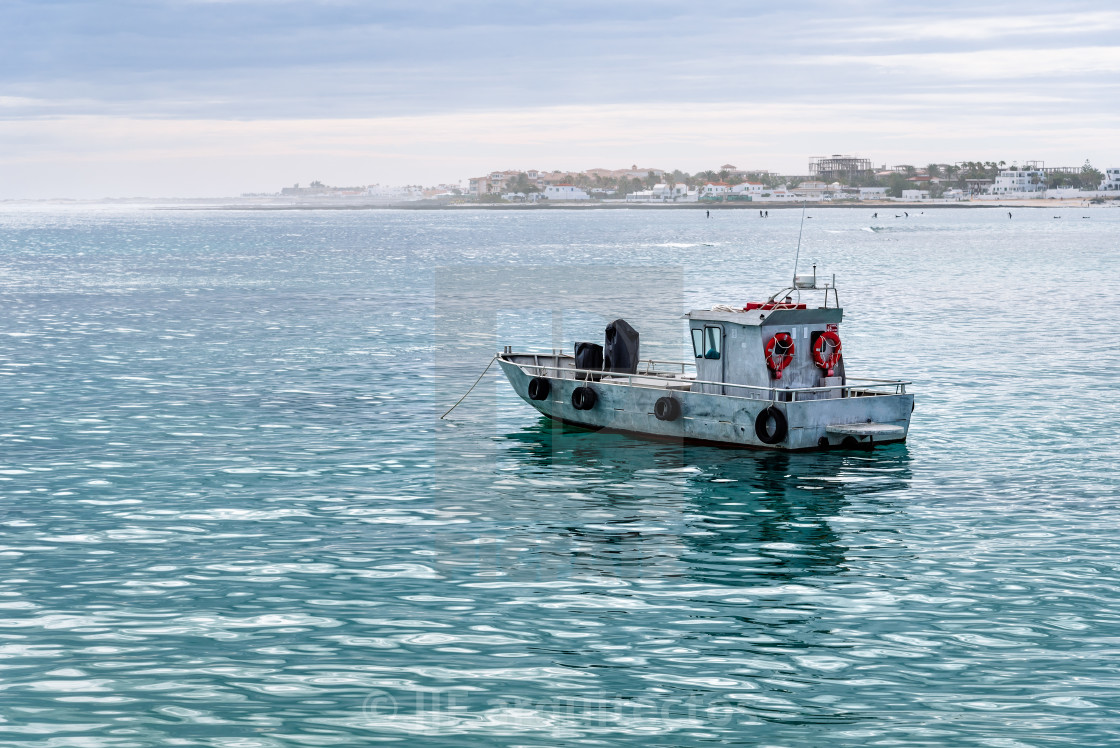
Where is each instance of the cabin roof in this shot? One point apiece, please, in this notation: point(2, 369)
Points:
point(758, 317)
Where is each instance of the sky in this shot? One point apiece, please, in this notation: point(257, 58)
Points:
point(192, 98)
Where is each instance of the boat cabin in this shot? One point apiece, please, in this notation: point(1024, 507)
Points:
point(782, 345)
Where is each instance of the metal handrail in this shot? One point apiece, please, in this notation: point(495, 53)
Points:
point(562, 354)
point(898, 384)
point(649, 362)
point(881, 381)
point(651, 365)
point(693, 365)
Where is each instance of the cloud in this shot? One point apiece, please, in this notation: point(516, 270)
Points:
point(998, 64)
point(394, 86)
point(1042, 26)
point(250, 59)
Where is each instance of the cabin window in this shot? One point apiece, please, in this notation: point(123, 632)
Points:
point(713, 341)
point(698, 342)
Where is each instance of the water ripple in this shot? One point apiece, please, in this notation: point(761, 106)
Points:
point(232, 518)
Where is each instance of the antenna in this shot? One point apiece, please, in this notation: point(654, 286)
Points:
point(798, 255)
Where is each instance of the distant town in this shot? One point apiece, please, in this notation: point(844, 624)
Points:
point(836, 179)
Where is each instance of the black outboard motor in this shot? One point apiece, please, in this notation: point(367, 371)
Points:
point(589, 356)
point(621, 349)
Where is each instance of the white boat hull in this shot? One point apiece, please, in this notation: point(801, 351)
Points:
point(866, 419)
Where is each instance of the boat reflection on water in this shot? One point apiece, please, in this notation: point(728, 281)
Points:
point(731, 575)
point(636, 509)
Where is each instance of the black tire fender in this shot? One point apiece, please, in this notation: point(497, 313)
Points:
point(584, 398)
point(761, 423)
point(667, 408)
point(539, 388)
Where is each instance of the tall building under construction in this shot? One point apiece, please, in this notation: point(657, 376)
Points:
point(836, 167)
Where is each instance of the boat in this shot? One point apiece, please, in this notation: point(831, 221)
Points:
point(767, 375)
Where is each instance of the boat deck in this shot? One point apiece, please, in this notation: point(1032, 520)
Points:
point(675, 376)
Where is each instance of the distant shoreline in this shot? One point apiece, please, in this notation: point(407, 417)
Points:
point(235, 204)
point(873, 206)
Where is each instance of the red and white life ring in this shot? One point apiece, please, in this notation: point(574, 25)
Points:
point(779, 352)
point(826, 351)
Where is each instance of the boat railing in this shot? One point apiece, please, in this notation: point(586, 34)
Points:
point(861, 386)
point(804, 283)
point(653, 366)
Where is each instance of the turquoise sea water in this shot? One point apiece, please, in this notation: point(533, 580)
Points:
point(230, 516)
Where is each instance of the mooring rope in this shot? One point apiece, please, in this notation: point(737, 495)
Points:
point(464, 397)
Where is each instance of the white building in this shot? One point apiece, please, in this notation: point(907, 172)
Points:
point(784, 195)
point(811, 189)
point(674, 192)
point(662, 193)
point(1015, 181)
point(714, 190)
point(388, 193)
point(565, 192)
point(954, 194)
point(915, 194)
point(1111, 181)
point(872, 193)
point(747, 188)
